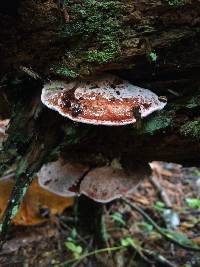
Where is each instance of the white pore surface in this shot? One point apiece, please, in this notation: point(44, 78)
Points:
point(102, 86)
point(105, 184)
point(59, 176)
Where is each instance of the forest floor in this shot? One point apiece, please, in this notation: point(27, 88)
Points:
point(127, 238)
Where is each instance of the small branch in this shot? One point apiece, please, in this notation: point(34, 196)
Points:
point(163, 195)
point(98, 251)
point(158, 258)
point(157, 227)
point(157, 171)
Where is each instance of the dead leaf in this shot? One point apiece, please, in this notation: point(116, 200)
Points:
point(35, 199)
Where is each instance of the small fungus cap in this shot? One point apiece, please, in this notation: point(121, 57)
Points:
point(61, 177)
point(107, 100)
point(105, 184)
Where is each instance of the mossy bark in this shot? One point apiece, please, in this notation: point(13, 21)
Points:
point(155, 44)
point(79, 38)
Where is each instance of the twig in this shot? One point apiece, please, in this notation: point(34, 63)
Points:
point(163, 195)
point(158, 258)
point(98, 251)
point(156, 226)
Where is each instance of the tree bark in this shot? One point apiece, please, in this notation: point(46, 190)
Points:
point(155, 44)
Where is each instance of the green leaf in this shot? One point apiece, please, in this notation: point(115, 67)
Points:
point(153, 56)
point(127, 242)
point(160, 206)
point(74, 233)
point(73, 247)
point(134, 243)
point(146, 227)
point(193, 203)
point(181, 238)
point(117, 217)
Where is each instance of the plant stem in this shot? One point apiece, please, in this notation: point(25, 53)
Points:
point(157, 227)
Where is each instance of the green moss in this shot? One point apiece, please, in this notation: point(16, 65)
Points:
point(65, 72)
point(91, 17)
point(92, 35)
point(191, 129)
point(14, 211)
point(153, 56)
point(194, 102)
point(176, 2)
point(157, 122)
point(22, 167)
point(100, 56)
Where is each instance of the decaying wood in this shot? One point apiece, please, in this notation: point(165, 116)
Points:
point(155, 44)
point(40, 36)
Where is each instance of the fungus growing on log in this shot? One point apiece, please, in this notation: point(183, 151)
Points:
point(102, 184)
point(105, 184)
point(59, 177)
point(107, 100)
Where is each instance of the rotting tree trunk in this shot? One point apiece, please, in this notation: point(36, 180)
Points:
point(155, 44)
point(78, 38)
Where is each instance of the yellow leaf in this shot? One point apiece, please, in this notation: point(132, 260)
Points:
point(35, 199)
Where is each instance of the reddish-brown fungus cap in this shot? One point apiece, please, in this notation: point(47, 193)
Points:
point(105, 184)
point(61, 177)
point(108, 100)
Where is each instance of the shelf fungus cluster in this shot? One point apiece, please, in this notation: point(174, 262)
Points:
point(102, 184)
point(107, 100)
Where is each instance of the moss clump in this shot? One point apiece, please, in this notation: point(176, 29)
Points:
point(176, 2)
point(194, 102)
point(191, 129)
point(157, 122)
point(100, 56)
point(91, 17)
point(65, 72)
point(92, 33)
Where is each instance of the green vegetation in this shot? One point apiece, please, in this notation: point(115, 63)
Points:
point(176, 2)
point(191, 129)
point(92, 35)
point(65, 72)
point(153, 56)
point(100, 56)
point(157, 122)
point(118, 217)
point(193, 203)
point(193, 102)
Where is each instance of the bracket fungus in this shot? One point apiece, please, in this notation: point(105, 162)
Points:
point(102, 184)
point(107, 100)
point(105, 184)
point(61, 177)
